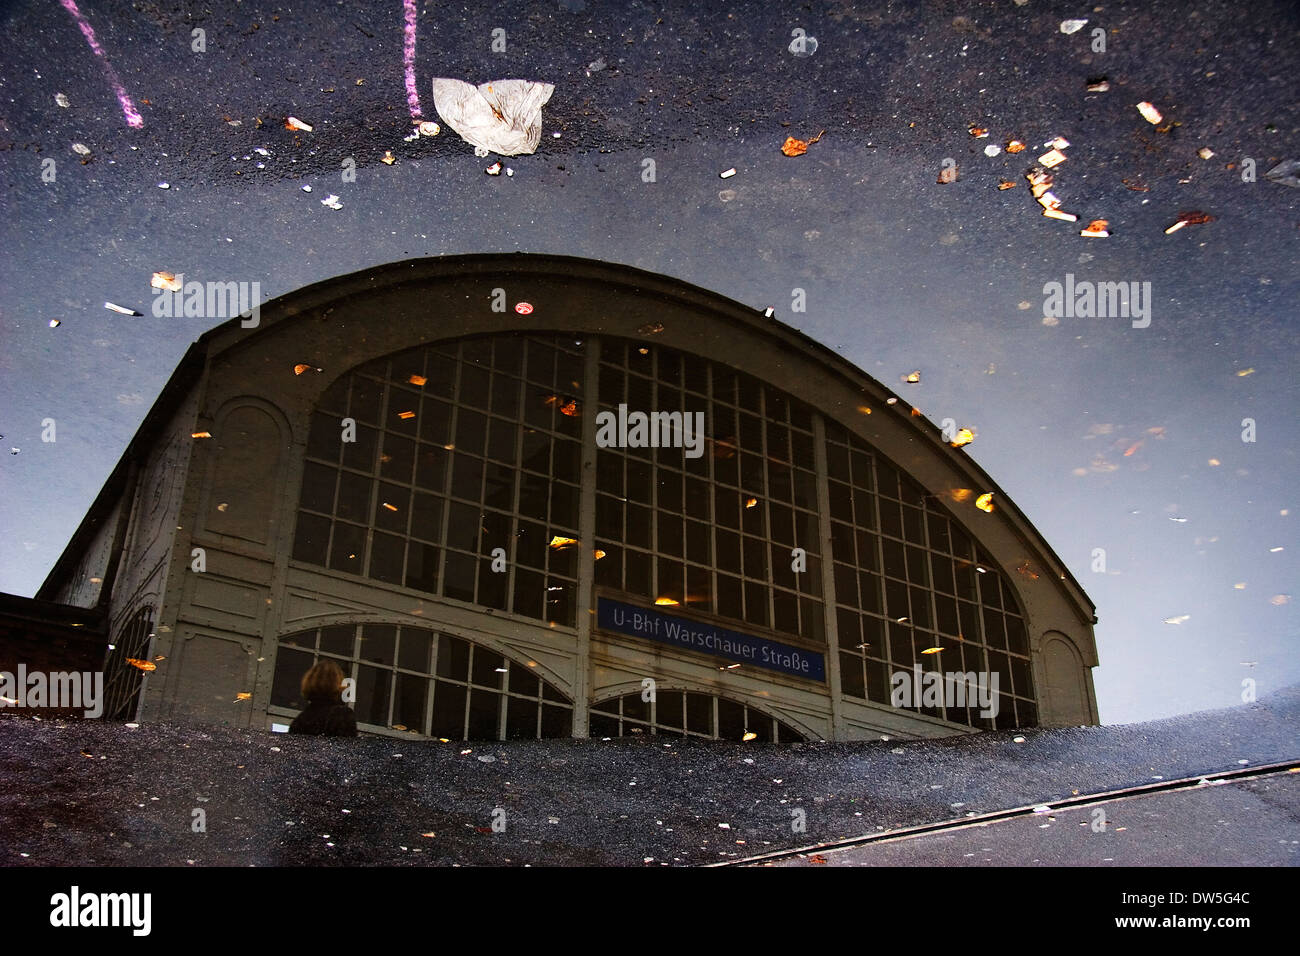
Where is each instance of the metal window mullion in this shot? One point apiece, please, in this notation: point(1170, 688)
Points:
point(830, 615)
point(584, 600)
point(446, 479)
point(521, 390)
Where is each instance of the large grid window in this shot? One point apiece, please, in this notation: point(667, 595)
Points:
point(713, 533)
point(417, 680)
point(123, 680)
point(457, 473)
point(676, 713)
point(912, 587)
point(458, 450)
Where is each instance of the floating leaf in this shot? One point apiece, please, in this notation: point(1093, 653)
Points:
point(797, 147)
point(985, 502)
point(165, 280)
point(243, 696)
point(1149, 113)
point(964, 436)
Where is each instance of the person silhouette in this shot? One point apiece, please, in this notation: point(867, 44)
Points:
point(325, 715)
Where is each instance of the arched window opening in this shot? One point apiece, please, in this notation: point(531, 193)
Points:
point(423, 682)
point(123, 673)
point(675, 713)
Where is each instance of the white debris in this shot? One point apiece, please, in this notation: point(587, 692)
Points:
point(332, 201)
point(503, 116)
point(262, 151)
point(1205, 152)
point(493, 170)
point(81, 149)
point(1072, 26)
point(164, 185)
point(727, 173)
point(306, 189)
point(992, 150)
point(428, 128)
point(1149, 113)
point(62, 100)
point(117, 308)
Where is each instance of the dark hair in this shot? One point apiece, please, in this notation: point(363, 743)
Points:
point(323, 682)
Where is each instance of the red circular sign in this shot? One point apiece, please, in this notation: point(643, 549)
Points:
point(523, 308)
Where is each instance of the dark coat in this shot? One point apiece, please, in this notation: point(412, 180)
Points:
point(328, 717)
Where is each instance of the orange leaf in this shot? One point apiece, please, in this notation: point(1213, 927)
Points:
point(797, 147)
point(142, 665)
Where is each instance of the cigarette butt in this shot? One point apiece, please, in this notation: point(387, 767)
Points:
point(1176, 226)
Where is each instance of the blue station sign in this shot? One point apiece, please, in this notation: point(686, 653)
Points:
point(708, 639)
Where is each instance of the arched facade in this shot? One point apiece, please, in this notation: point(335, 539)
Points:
point(394, 454)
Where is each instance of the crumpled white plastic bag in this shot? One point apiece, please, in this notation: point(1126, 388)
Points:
point(503, 116)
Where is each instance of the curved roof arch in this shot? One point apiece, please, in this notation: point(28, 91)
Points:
point(346, 321)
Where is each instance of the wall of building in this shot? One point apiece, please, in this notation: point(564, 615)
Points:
point(219, 629)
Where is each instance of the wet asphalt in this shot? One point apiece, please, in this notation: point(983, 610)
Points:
point(101, 794)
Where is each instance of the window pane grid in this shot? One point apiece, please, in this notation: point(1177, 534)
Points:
point(440, 430)
point(466, 691)
point(675, 713)
point(917, 560)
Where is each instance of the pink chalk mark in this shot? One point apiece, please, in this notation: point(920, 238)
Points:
point(133, 117)
point(408, 58)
